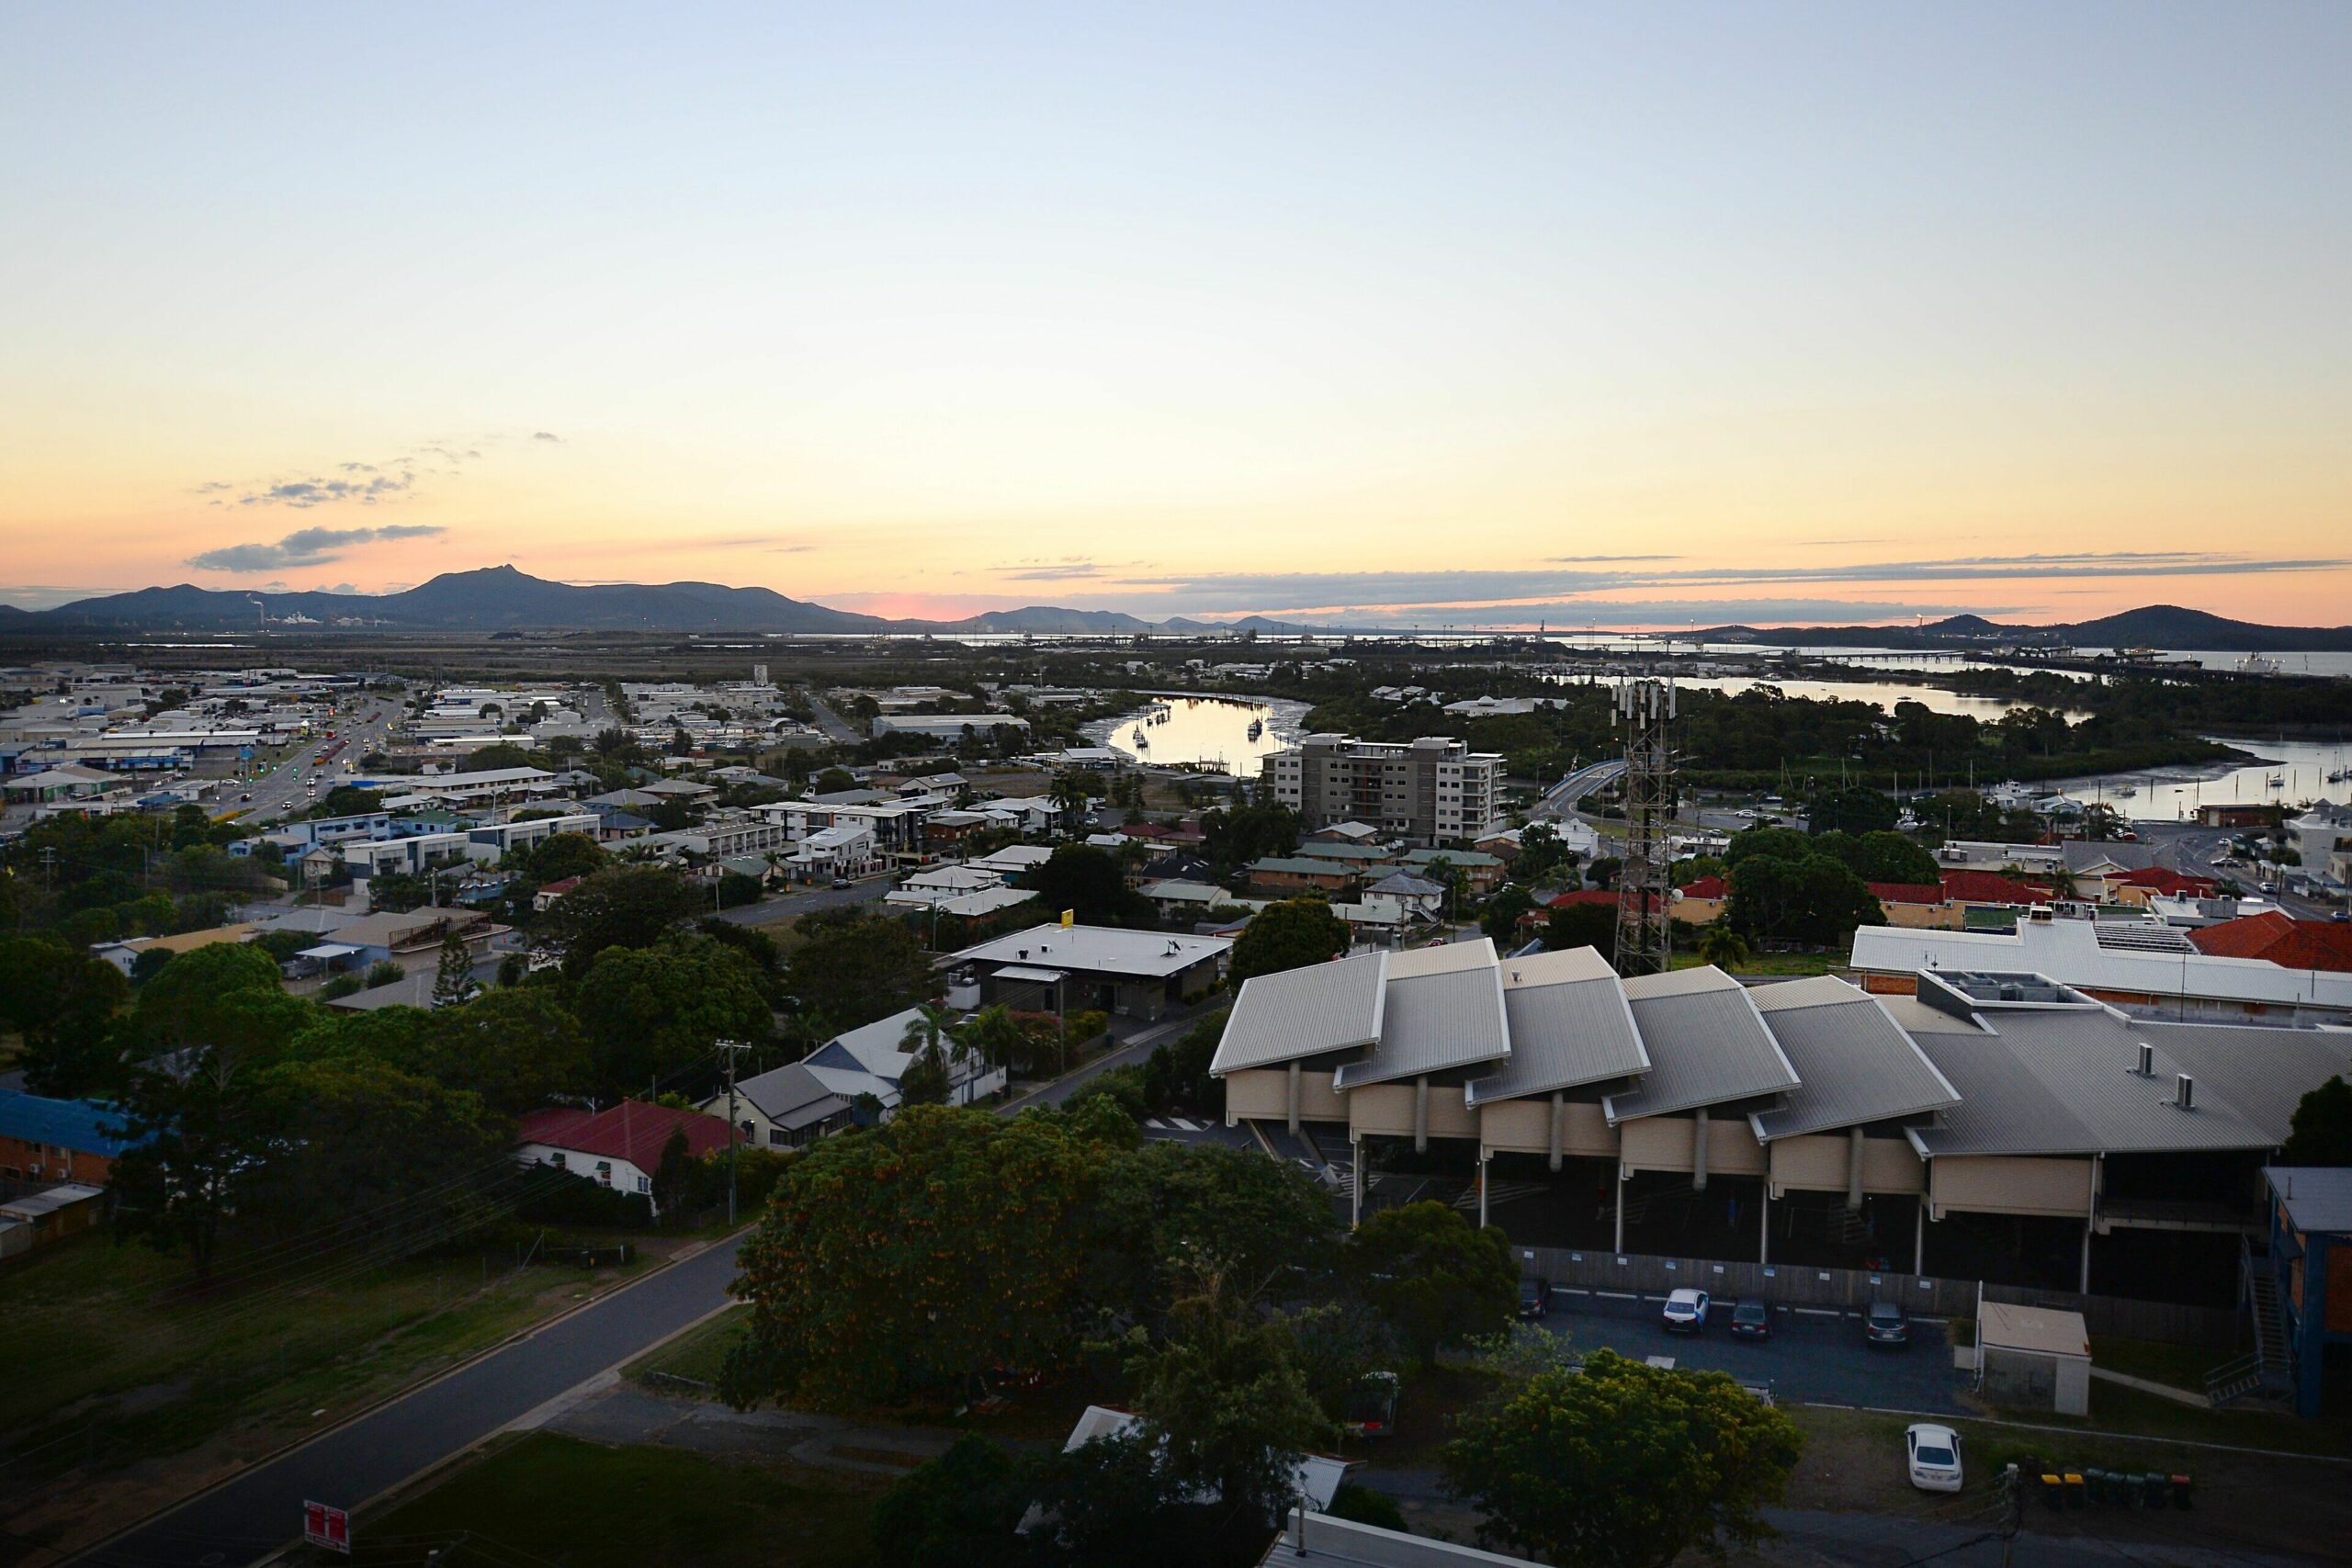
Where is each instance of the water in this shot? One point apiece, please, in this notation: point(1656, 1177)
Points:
point(1885, 693)
point(2171, 795)
point(2337, 665)
point(1212, 731)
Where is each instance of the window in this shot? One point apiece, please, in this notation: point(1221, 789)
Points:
point(555, 1156)
point(643, 1185)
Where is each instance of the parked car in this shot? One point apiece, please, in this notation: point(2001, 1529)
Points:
point(1934, 1454)
point(1535, 1297)
point(1371, 1406)
point(1884, 1323)
point(1686, 1311)
point(842, 883)
point(1751, 1318)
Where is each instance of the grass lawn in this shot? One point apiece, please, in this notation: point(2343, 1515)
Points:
point(104, 1350)
point(2178, 1366)
point(697, 1354)
point(564, 1501)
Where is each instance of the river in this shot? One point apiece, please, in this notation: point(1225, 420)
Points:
point(1213, 732)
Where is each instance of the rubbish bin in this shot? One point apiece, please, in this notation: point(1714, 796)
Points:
point(2053, 1489)
point(2131, 1487)
point(2154, 1495)
point(2180, 1489)
point(2077, 1493)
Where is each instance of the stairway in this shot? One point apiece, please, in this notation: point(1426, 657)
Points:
point(2267, 1373)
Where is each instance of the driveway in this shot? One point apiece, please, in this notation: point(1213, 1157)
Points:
point(1817, 1359)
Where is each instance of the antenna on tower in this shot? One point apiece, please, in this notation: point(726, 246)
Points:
point(1645, 902)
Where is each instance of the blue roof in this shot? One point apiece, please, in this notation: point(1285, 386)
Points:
point(86, 1126)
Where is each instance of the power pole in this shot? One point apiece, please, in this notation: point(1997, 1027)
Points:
point(1645, 902)
point(731, 1048)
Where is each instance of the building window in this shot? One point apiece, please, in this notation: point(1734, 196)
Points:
point(643, 1185)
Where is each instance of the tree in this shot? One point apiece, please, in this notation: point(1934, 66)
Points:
point(1582, 925)
point(1890, 857)
point(1500, 920)
point(673, 1174)
point(1089, 880)
point(1851, 808)
point(1222, 1396)
point(1604, 869)
point(1541, 850)
point(1621, 1465)
point(925, 1080)
point(516, 1049)
point(1163, 1208)
point(1365, 1507)
point(1436, 1278)
point(2320, 1129)
point(853, 966)
point(622, 906)
point(62, 1003)
point(1069, 797)
point(1814, 901)
point(649, 1013)
point(560, 855)
point(453, 981)
point(905, 1262)
point(1289, 935)
point(1721, 946)
point(1234, 836)
point(352, 1131)
point(960, 1510)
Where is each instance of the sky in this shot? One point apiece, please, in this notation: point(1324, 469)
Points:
point(1483, 315)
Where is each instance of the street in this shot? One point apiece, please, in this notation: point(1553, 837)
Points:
point(1562, 798)
point(767, 912)
point(280, 793)
point(260, 1510)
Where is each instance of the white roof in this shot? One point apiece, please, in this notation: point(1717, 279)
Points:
point(1317, 1476)
point(1101, 949)
point(2070, 953)
point(2048, 1330)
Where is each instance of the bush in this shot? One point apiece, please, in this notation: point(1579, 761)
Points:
point(386, 973)
point(1125, 1084)
point(577, 1200)
point(1362, 1505)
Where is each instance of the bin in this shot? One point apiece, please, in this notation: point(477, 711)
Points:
point(2078, 1494)
point(2154, 1496)
point(2053, 1490)
point(2180, 1489)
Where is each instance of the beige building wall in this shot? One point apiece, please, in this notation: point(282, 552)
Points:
point(1665, 1143)
point(1818, 1164)
point(1524, 1126)
point(2004, 1184)
point(1386, 1110)
point(1262, 1094)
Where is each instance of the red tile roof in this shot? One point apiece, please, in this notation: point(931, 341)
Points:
point(1705, 887)
point(632, 1131)
point(1582, 895)
point(2280, 939)
point(1907, 892)
point(1990, 887)
point(2163, 879)
point(560, 887)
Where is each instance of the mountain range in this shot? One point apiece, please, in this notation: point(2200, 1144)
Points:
point(500, 598)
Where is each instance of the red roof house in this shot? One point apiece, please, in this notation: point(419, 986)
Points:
point(1991, 887)
point(1706, 888)
point(2281, 939)
point(620, 1147)
point(2165, 881)
point(1907, 892)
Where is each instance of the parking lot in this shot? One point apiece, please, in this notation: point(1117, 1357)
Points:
point(1812, 1357)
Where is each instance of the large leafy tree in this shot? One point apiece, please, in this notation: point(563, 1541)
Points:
point(622, 906)
point(853, 966)
point(651, 1011)
point(961, 1510)
point(2320, 1129)
point(1165, 1209)
point(1289, 935)
point(566, 855)
point(1436, 1278)
point(1816, 900)
point(1239, 834)
point(353, 1131)
point(1582, 925)
point(62, 1003)
point(1499, 919)
point(1621, 1465)
point(516, 1048)
point(901, 1264)
point(1088, 880)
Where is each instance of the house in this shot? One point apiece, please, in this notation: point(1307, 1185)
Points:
point(124, 953)
point(1071, 968)
point(47, 1216)
point(792, 1106)
point(1412, 898)
point(549, 896)
point(1701, 900)
point(1316, 1476)
point(2276, 937)
point(1295, 873)
point(1186, 901)
point(409, 939)
point(1917, 904)
point(1481, 872)
point(43, 1139)
point(786, 1108)
point(620, 1148)
point(2318, 834)
point(2310, 1260)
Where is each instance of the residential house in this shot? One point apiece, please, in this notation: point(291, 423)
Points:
point(621, 1147)
point(1481, 872)
point(1276, 875)
point(2276, 937)
point(1185, 901)
point(792, 1106)
point(551, 894)
point(43, 1139)
point(2310, 1256)
point(124, 953)
point(1701, 900)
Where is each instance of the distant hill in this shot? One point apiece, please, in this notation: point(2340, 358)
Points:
point(500, 598)
point(2167, 626)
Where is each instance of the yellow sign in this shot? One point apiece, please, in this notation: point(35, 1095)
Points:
point(1069, 917)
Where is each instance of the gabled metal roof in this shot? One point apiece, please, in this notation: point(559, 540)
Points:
point(1857, 1065)
point(1707, 1045)
point(2264, 1072)
point(1452, 1019)
point(1305, 1012)
point(1569, 1025)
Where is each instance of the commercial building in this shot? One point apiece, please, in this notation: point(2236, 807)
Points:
point(1434, 790)
point(1996, 1126)
point(1131, 974)
point(43, 1139)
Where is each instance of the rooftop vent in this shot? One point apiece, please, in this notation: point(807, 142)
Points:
point(2184, 1092)
point(2147, 1068)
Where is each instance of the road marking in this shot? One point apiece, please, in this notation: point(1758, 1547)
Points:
point(1155, 1122)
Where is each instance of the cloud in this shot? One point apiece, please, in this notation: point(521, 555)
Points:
point(304, 547)
point(1069, 569)
point(359, 483)
point(43, 596)
point(547, 436)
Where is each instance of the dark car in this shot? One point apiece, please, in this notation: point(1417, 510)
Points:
point(1535, 1297)
point(1751, 1319)
point(1884, 1323)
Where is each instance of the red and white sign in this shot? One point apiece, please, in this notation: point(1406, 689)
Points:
point(323, 1526)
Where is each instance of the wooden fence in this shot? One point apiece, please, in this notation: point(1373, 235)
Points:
point(1800, 1285)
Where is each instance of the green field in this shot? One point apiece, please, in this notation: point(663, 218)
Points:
point(561, 1500)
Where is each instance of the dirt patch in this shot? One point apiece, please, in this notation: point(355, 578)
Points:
point(895, 1458)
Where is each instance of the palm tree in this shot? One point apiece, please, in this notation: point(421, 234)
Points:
point(932, 1037)
point(1069, 796)
point(1724, 947)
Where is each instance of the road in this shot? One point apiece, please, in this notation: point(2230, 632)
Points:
point(282, 792)
point(836, 731)
point(1562, 798)
point(767, 912)
point(261, 1510)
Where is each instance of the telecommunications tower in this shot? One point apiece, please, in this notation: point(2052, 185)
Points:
point(1645, 901)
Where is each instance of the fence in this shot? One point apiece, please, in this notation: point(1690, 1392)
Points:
point(1852, 1289)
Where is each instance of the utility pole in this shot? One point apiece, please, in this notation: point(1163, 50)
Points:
point(731, 1048)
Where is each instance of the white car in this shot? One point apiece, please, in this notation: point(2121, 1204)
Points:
point(1686, 1311)
point(1934, 1455)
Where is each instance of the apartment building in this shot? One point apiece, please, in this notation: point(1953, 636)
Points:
point(1433, 790)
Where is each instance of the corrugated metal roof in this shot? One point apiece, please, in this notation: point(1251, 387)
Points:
point(1432, 1023)
point(1443, 958)
point(1707, 1045)
point(1305, 1012)
point(2318, 1198)
point(1569, 1025)
point(2069, 951)
point(2262, 1072)
point(2002, 1109)
point(1857, 1065)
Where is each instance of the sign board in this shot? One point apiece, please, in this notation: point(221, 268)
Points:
point(323, 1526)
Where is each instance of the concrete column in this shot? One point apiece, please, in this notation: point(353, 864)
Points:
point(1422, 1114)
point(1294, 1098)
point(1764, 1224)
point(1699, 1151)
point(2085, 1286)
point(1355, 1181)
point(1621, 1206)
point(1482, 1189)
point(1559, 1126)
point(1920, 1239)
point(1854, 1171)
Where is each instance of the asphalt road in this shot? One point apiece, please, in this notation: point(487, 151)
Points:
point(261, 1510)
point(281, 792)
point(1562, 798)
point(767, 912)
point(835, 730)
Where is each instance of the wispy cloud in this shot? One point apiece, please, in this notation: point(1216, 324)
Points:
point(304, 547)
point(1067, 569)
point(43, 596)
point(353, 482)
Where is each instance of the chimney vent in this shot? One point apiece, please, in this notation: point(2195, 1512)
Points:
point(2185, 1096)
point(2147, 1060)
